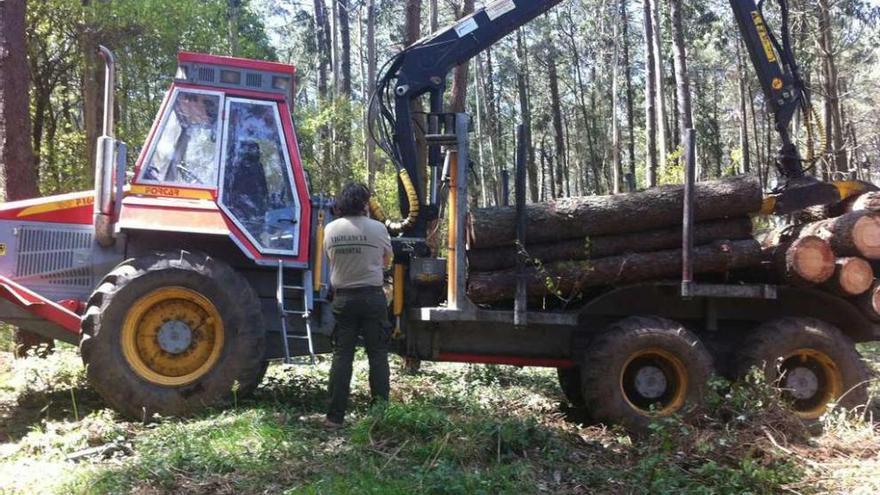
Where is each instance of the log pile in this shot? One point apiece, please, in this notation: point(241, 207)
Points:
point(575, 244)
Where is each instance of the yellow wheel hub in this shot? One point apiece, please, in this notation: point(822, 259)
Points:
point(654, 382)
point(172, 336)
point(809, 380)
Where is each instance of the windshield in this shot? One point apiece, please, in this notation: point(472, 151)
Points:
point(185, 152)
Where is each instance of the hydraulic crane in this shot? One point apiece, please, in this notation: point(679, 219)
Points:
point(423, 67)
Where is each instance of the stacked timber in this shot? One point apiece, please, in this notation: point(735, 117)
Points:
point(844, 251)
point(598, 241)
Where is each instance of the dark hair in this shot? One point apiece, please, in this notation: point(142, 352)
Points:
point(352, 200)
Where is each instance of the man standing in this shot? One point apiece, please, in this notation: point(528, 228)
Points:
point(359, 249)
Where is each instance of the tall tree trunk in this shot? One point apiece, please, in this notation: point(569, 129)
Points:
point(372, 63)
point(743, 112)
point(344, 94)
point(16, 152)
point(833, 124)
point(413, 31)
point(460, 73)
point(324, 48)
point(682, 78)
point(650, 98)
point(556, 111)
point(656, 39)
point(630, 114)
point(434, 14)
point(233, 13)
point(616, 171)
point(322, 42)
point(17, 163)
point(345, 49)
point(522, 75)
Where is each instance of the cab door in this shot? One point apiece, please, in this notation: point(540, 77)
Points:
point(257, 190)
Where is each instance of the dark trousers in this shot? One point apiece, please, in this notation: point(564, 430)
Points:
point(358, 312)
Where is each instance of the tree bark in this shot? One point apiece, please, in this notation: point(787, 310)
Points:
point(16, 152)
point(650, 98)
point(568, 278)
point(500, 258)
point(833, 123)
point(853, 234)
point(630, 114)
point(522, 78)
point(660, 94)
point(682, 78)
point(802, 262)
point(603, 215)
point(372, 67)
point(852, 277)
point(558, 135)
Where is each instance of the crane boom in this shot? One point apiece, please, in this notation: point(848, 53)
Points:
point(423, 68)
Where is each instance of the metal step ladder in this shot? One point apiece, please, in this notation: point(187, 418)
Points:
point(286, 292)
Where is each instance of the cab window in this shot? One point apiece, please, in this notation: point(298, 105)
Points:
point(257, 188)
point(185, 151)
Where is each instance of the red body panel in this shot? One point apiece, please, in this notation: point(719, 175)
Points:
point(39, 306)
point(172, 215)
point(74, 208)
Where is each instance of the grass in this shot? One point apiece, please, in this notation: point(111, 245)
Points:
point(450, 429)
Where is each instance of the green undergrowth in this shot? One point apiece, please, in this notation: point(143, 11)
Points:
point(450, 429)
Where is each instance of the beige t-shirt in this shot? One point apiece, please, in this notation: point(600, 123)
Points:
point(356, 247)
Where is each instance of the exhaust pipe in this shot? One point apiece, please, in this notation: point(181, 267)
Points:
point(109, 159)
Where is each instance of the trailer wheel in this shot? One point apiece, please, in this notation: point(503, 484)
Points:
point(173, 333)
point(570, 383)
point(642, 368)
point(812, 363)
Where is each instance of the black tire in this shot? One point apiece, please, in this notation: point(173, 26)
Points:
point(670, 358)
point(827, 356)
point(570, 383)
point(239, 358)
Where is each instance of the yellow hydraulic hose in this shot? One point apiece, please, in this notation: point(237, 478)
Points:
point(412, 198)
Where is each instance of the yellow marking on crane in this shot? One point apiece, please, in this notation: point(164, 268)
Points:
point(764, 35)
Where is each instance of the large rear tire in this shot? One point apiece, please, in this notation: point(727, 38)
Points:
point(811, 362)
point(643, 368)
point(570, 383)
point(173, 333)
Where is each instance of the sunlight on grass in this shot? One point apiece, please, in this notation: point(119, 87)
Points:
point(451, 429)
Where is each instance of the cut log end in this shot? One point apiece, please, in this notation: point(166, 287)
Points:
point(866, 236)
point(853, 276)
point(856, 275)
point(811, 260)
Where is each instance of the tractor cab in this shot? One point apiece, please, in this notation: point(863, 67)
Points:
point(224, 135)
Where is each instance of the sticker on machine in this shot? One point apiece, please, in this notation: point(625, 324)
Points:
point(498, 8)
point(466, 27)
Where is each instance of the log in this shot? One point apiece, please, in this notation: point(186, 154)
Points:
point(582, 217)
point(852, 277)
point(852, 234)
point(869, 302)
point(802, 262)
point(869, 201)
point(499, 258)
point(567, 278)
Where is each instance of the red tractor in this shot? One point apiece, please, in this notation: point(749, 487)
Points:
point(182, 283)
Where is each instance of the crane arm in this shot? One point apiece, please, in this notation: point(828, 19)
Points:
point(423, 68)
